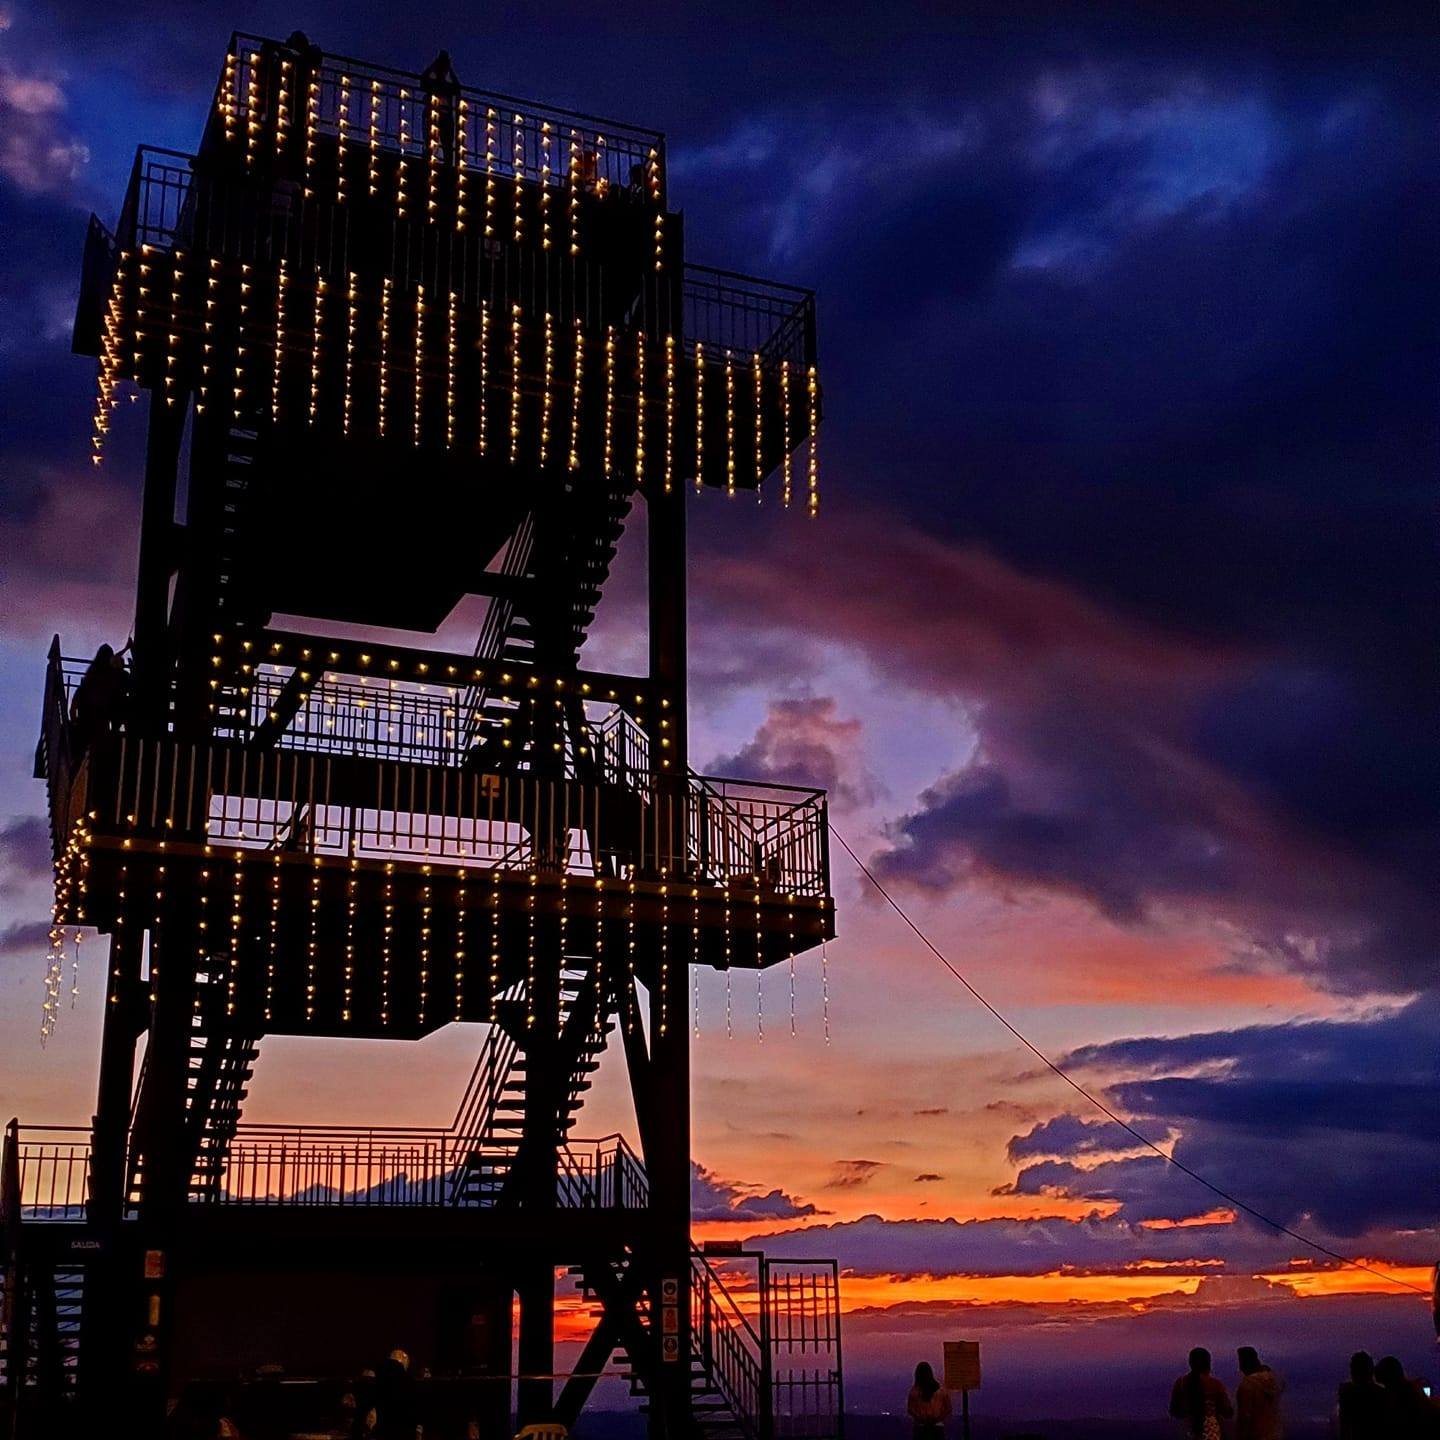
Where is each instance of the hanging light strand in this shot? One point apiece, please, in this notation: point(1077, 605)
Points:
point(489, 172)
point(813, 470)
point(729, 423)
point(759, 422)
point(545, 140)
point(342, 138)
point(387, 286)
point(699, 417)
point(786, 464)
point(575, 393)
point(669, 471)
point(517, 165)
point(281, 285)
point(515, 313)
point(450, 361)
point(351, 318)
point(609, 396)
point(640, 407)
point(419, 416)
point(317, 332)
point(547, 398)
point(484, 375)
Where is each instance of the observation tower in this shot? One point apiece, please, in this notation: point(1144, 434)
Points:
point(406, 342)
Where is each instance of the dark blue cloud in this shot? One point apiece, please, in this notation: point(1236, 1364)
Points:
point(712, 1198)
point(1322, 1123)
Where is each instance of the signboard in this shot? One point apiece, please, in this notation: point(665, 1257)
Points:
point(962, 1364)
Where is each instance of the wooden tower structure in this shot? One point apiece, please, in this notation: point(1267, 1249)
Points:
point(406, 342)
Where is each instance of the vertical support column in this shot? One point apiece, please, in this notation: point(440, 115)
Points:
point(110, 1132)
point(109, 1291)
point(668, 1145)
point(157, 525)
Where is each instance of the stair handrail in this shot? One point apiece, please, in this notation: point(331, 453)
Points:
point(735, 1360)
point(497, 621)
point(474, 1121)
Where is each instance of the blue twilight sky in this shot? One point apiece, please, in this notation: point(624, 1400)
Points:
point(1115, 640)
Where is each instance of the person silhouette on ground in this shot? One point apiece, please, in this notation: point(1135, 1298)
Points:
point(1362, 1402)
point(1410, 1414)
point(1198, 1400)
point(1257, 1398)
point(927, 1404)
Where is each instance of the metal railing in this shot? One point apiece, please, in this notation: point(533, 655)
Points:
point(51, 1171)
point(401, 113)
point(728, 1347)
point(388, 1168)
point(712, 831)
point(724, 310)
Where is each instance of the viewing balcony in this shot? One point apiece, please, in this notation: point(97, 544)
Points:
point(323, 1167)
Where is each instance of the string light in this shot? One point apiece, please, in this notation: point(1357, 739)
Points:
point(546, 401)
point(450, 370)
point(574, 181)
point(564, 927)
point(404, 143)
point(419, 361)
point(348, 989)
point(238, 389)
point(785, 462)
point(237, 912)
point(282, 110)
point(387, 931)
point(432, 156)
point(544, 184)
point(460, 877)
point(172, 338)
point(759, 424)
point(729, 1025)
point(351, 295)
point(489, 172)
point(514, 383)
point(575, 394)
point(652, 173)
point(664, 954)
point(813, 477)
point(640, 407)
point(790, 948)
point(609, 395)
point(228, 98)
point(462, 162)
point(274, 940)
point(280, 286)
point(252, 108)
point(312, 950)
point(669, 411)
point(825, 985)
point(425, 911)
point(386, 285)
point(729, 424)
point(312, 108)
point(517, 151)
point(315, 344)
point(342, 124)
point(630, 959)
point(760, 1005)
point(375, 103)
point(699, 416)
point(695, 954)
point(484, 374)
point(494, 944)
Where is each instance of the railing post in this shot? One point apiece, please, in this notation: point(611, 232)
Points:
point(767, 1368)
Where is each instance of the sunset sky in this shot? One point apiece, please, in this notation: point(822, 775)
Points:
point(1114, 641)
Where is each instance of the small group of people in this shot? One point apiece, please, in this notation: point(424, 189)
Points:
point(1377, 1402)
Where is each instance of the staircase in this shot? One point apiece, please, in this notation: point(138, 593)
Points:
point(231, 700)
point(218, 1068)
point(493, 1110)
point(499, 731)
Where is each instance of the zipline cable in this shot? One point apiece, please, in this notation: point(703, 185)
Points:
point(1102, 1107)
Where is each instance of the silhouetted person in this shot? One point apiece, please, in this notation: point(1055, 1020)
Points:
point(99, 700)
point(1410, 1414)
point(397, 1410)
point(1362, 1402)
point(1257, 1399)
point(927, 1405)
point(1199, 1400)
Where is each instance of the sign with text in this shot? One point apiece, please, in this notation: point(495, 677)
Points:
point(962, 1364)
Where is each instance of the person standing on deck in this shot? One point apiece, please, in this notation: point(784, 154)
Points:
point(927, 1405)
